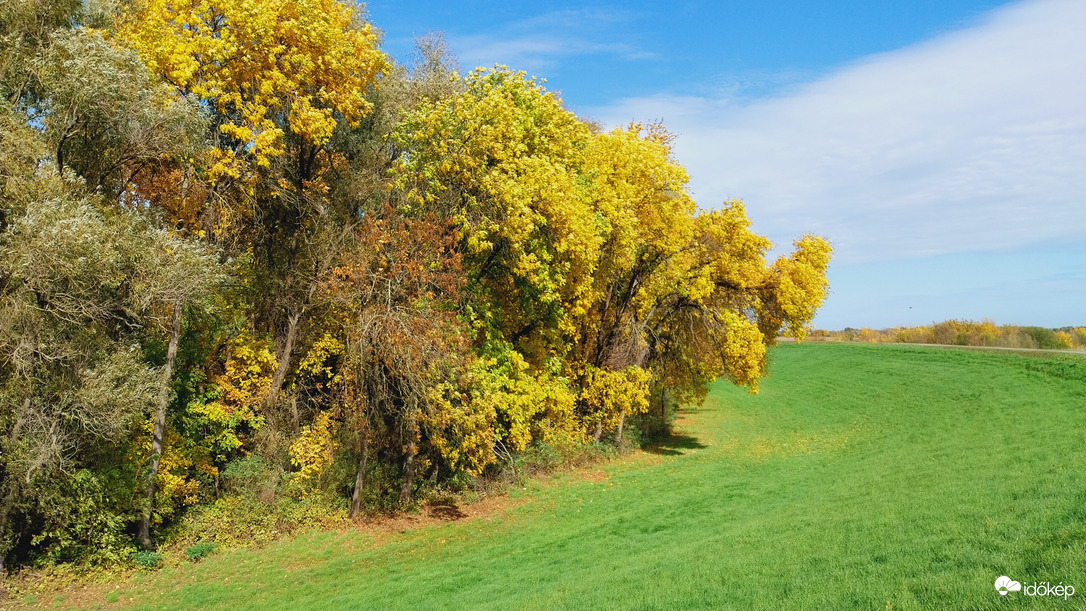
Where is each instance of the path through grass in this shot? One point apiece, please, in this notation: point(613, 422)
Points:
point(861, 477)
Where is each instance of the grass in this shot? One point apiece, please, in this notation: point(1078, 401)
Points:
point(861, 477)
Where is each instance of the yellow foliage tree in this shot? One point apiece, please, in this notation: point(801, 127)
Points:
point(609, 396)
point(266, 65)
point(502, 160)
point(314, 449)
point(241, 388)
point(587, 248)
point(1065, 339)
point(798, 285)
point(688, 293)
point(278, 77)
point(498, 407)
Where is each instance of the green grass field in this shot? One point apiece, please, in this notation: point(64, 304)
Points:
point(861, 477)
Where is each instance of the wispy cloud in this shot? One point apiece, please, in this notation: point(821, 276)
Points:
point(972, 141)
point(540, 43)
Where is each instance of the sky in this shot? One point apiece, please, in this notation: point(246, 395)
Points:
point(939, 145)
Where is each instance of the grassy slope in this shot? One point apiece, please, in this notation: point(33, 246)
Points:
point(865, 477)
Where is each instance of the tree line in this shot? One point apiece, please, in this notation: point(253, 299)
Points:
point(235, 233)
point(965, 333)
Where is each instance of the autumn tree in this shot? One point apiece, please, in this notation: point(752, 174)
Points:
point(586, 248)
point(186, 273)
point(279, 77)
point(397, 288)
point(501, 160)
point(89, 275)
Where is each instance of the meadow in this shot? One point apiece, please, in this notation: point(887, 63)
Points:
point(860, 477)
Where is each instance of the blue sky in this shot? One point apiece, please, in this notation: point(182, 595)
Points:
point(941, 146)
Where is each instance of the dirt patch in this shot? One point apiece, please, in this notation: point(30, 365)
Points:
point(434, 513)
point(33, 590)
point(596, 476)
point(447, 512)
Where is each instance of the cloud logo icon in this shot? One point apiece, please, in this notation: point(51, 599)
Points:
point(1005, 584)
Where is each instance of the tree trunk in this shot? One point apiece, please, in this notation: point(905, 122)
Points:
point(159, 431)
point(5, 510)
point(408, 473)
point(285, 352)
point(664, 428)
point(599, 431)
point(619, 441)
point(294, 411)
point(9, 494)
point(360, 479)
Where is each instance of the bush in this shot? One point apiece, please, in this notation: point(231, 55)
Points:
point(236, 520)
point(147, 559)
point(79, 522)
point(251, 476)
point(200, 550)
point(1065, 339)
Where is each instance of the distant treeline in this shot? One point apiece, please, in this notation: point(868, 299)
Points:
point(964, 333)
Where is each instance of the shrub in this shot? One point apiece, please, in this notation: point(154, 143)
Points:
point(147, 559)
point(80, 522)
point(236, 520)
point(200, 550)
point(1065, 339)
point(250, 476)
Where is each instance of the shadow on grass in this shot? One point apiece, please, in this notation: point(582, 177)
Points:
point(446, 510)
point(674, 444)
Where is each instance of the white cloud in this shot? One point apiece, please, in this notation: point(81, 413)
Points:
point(539, 43)
point(972, 141)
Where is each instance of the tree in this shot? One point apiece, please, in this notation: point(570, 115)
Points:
point(270, 69)
point(431, 272)
point(184, 273)
point(586, 248)
point(27, 28)
point(501, 160)
point(279, 77)
point(87, 274)
point(104, 117)
point(395, 288)
point(80, 286)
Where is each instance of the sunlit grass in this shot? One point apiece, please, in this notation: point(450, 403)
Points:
point(861, 477)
